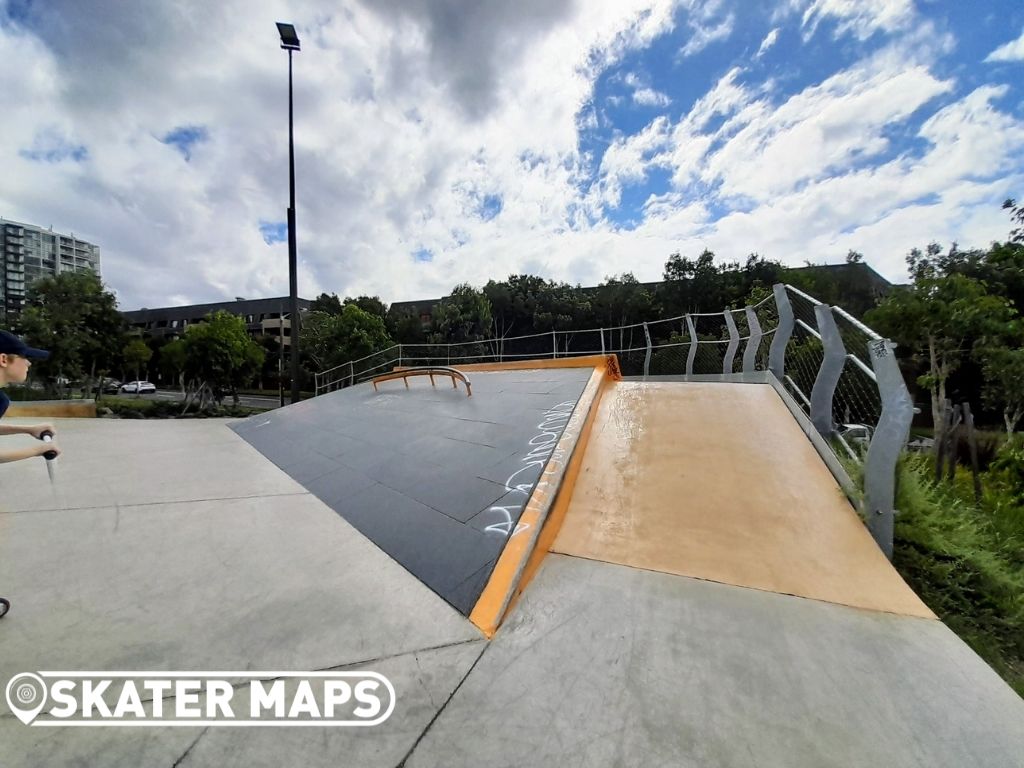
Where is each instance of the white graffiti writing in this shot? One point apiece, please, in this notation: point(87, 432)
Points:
point(544, 450)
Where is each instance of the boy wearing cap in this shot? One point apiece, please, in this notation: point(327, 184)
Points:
point(15, 360)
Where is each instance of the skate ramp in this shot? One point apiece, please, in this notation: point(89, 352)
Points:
point(717, 481)
point(436, 479)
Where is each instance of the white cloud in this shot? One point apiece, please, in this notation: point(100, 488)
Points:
point(767, 43)
point(406, 124)
point(1011, 51)
point(643, 94)
point(950, 193)
point(628, 158)
point(818, 132)
point(649, 97)
point(861, 18)
point(702, 36)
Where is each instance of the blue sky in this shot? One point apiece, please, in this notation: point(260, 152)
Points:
point(439, 142)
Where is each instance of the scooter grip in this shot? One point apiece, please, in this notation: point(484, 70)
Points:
point(47, 436)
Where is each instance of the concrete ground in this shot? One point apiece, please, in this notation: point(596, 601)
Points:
point(177, 545)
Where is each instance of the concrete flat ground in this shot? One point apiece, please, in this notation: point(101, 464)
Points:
point(178, 545)
point(615, 666)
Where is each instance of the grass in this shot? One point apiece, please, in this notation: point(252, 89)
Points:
point(965, 560)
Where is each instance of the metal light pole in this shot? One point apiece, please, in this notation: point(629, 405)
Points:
point(280, 354)
point(290, 42)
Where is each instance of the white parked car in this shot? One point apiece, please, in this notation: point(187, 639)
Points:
point(140, 387)
point(856, 434)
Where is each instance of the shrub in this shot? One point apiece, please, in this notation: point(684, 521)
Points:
point(956, 557)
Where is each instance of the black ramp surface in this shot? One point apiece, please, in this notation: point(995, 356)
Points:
point(436, 479)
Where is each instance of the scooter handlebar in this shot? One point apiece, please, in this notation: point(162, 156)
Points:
point(47, 437)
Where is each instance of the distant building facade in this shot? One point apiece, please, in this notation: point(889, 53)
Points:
point(31, 252)
point(266, 317)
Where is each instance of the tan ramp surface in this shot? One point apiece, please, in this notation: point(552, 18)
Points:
point(717, 481)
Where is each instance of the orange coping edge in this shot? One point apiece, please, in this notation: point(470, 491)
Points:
point(544, 511)
point(608, 362)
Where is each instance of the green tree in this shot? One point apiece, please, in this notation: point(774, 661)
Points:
point(74, 317)
point(1017, 217)
point(405, 326)
point(371, 304)
point(219, 357)
point(136, 355)
point(515, 303)
point(328, 304)
point(1002, 361)
point(693, 285)
point(1004, 382)
point(272, 359)
point(620, 301)
point(331, 340)
point(173, 361)
point(939, 318)
point(465, 315)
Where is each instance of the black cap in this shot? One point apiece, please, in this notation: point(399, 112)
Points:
point(12, 345)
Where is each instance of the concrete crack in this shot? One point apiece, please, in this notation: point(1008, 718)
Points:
point(190, 746)
point(437, 714)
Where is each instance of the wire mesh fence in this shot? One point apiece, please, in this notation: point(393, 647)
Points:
point(733, 341)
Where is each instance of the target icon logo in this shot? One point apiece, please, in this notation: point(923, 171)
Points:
point(26, 696)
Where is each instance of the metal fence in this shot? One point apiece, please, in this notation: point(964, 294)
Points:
point(839, 372)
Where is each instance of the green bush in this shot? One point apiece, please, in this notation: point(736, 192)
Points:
point(1007, 470)
point(140, 408)
point(964, 560)
point(127, 407)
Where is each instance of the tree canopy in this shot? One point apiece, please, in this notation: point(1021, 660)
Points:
point(219, 355)
point(943, 318)
point(74, 317)
point(331, 340)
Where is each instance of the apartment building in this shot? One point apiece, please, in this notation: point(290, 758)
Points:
point(266, 317)
point(31, 252)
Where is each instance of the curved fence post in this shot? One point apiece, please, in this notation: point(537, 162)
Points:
point(734, 342)
point(753, 342)
point(693, 346)
point(890, 436)
point(828, 374)
point(647, 358)
point(602, 342)
point(554, 344)
point(777, 351)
